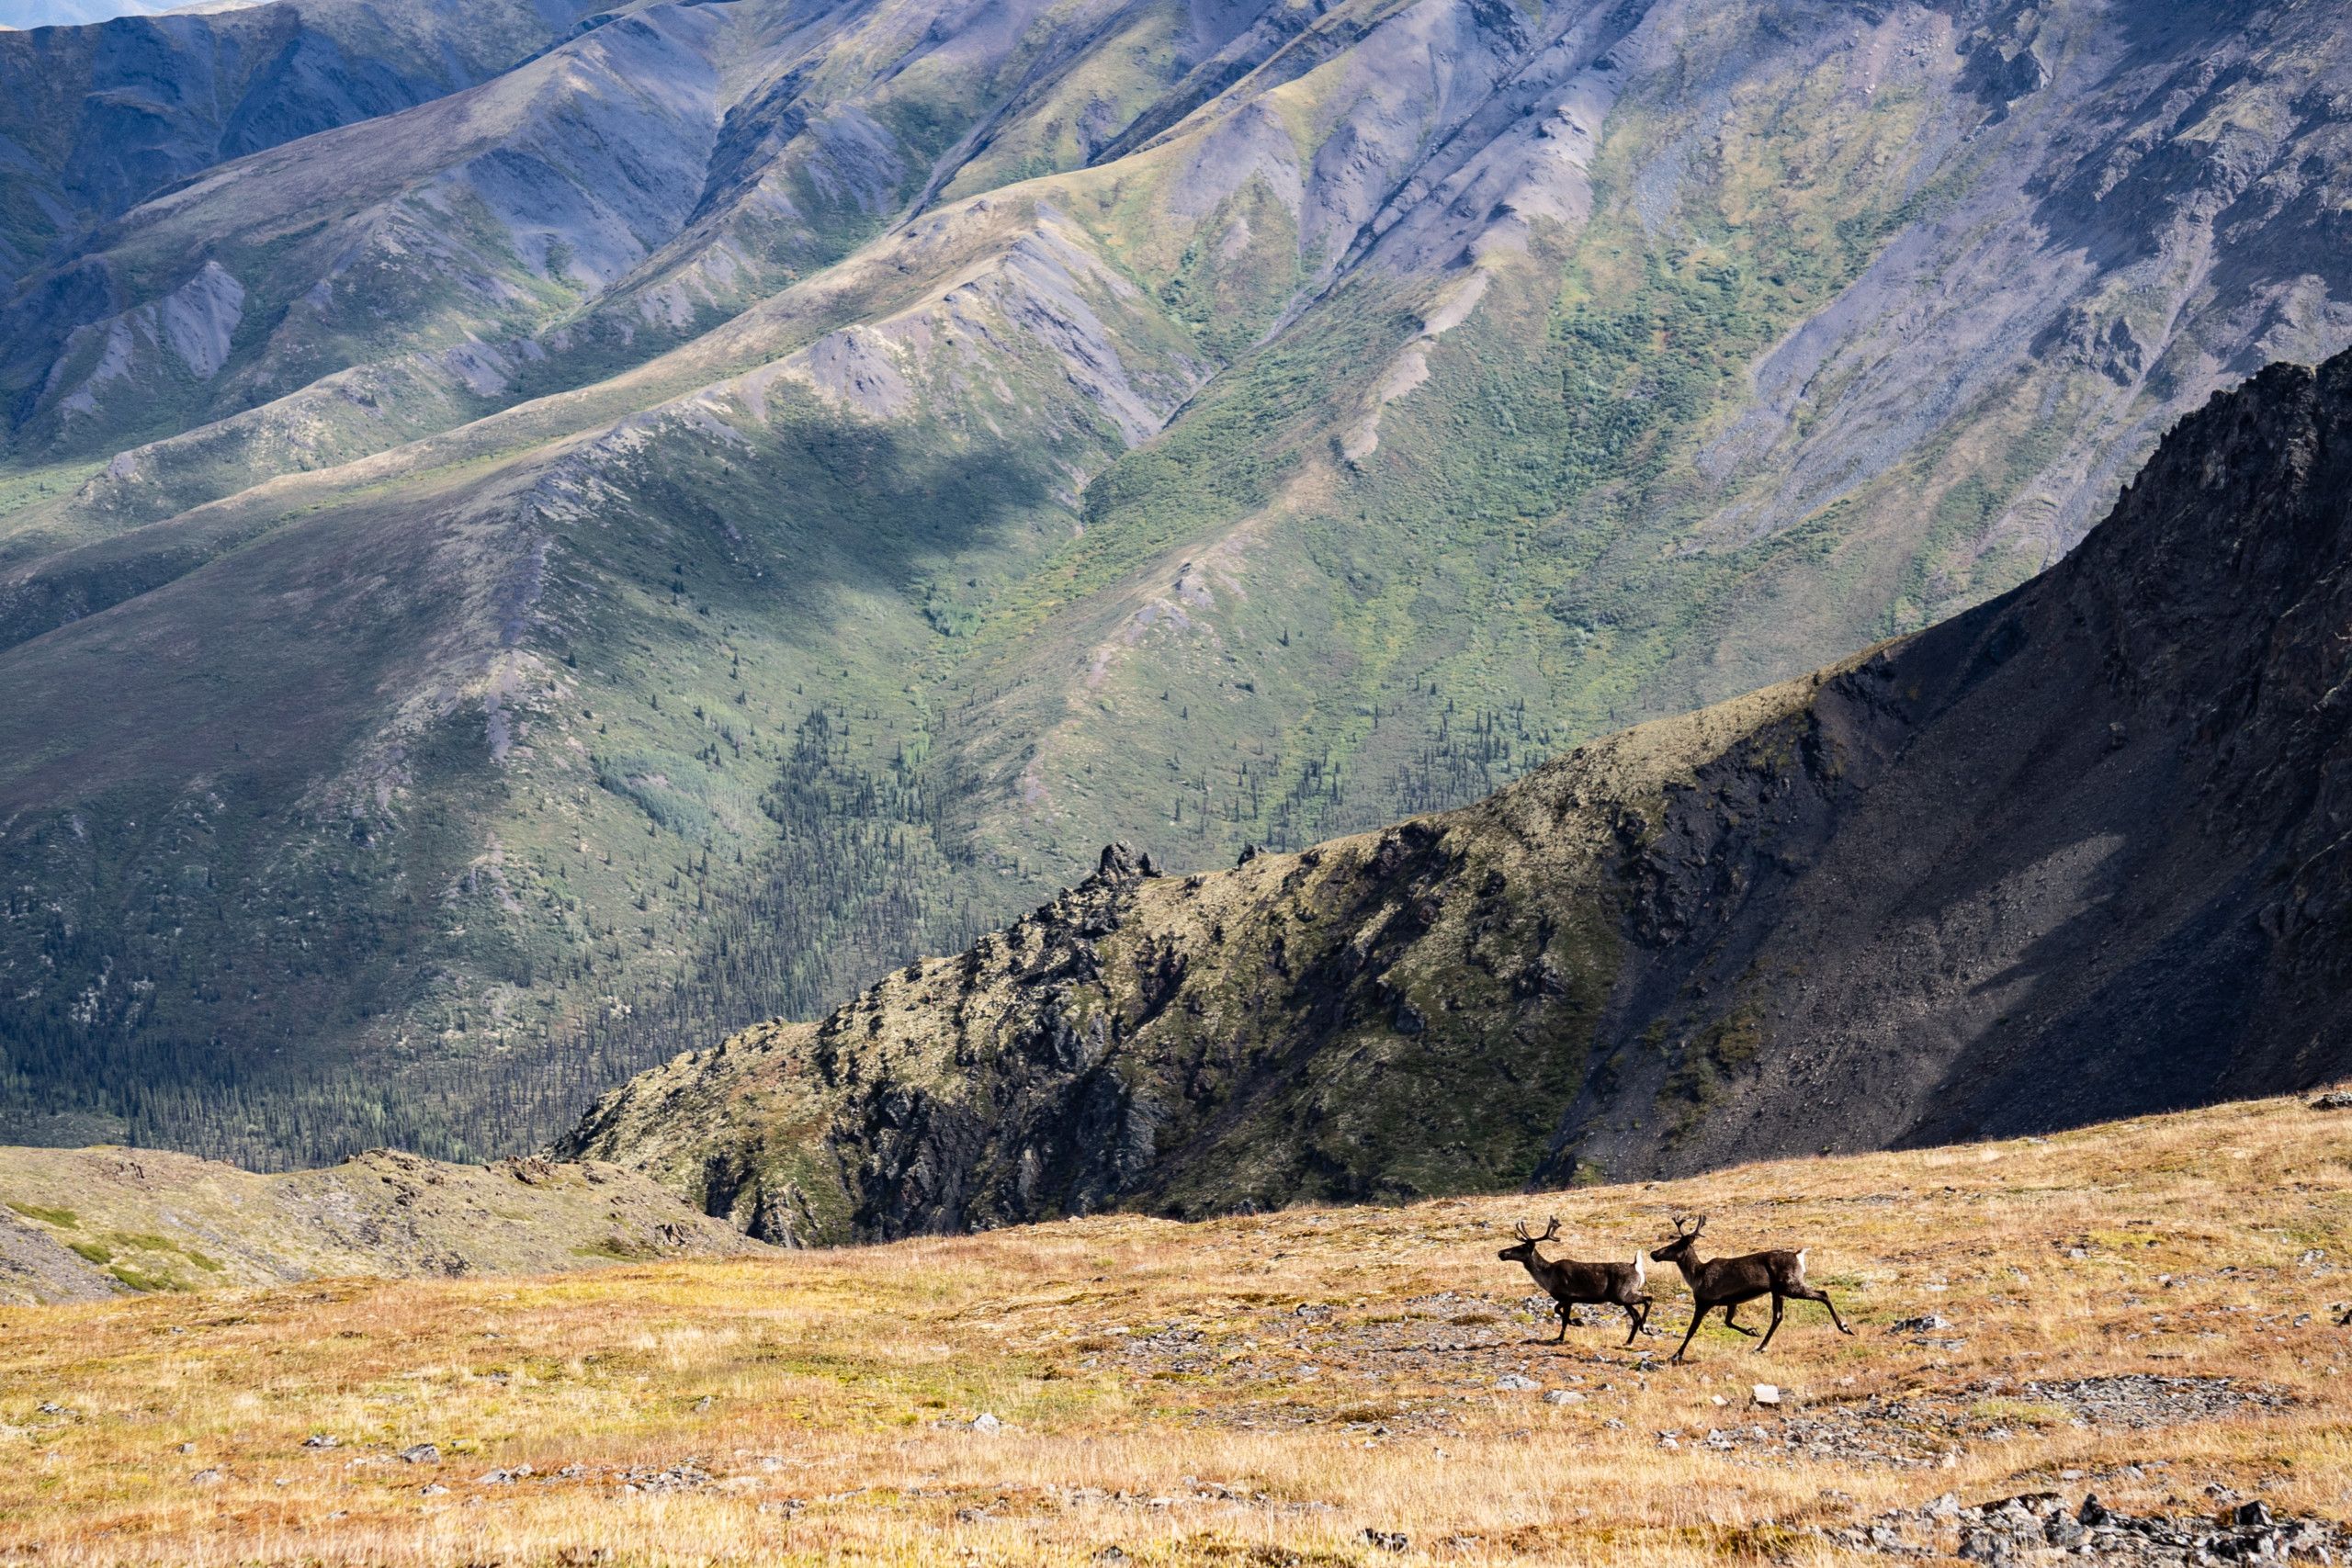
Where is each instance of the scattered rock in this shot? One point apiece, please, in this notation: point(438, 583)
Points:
point(2333, 1100)
point(1765, 1394)
point(1388, 1540)
point(1564, 1397)
point(205, 1478)
point(433, 1490)
point(2029, 1527)
point(987, 1425)
point(685, 1476)
point(1927, 1324)
point(1518, 1384)
point(322, 1440)
point(421, 1453)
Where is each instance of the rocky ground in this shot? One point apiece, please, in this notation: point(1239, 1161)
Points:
point(2042, 1524)
point(2138, 1314)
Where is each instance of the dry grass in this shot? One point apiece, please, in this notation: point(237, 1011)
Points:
point(825, 1374)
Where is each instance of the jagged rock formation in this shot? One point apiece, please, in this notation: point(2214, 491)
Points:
point(80, 1224)
point(2078, 853)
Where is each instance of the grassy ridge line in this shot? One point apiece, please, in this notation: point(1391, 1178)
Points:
point(797, 1401)
point(1394, 1015)
point(152, 1221)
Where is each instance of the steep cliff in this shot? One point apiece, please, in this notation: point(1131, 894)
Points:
point(2080, 853)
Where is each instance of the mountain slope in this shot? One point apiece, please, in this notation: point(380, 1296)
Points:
point(1004, 431)
point(85, 1223)
point(2075, 854)
point(100, 116)
point(597, 204)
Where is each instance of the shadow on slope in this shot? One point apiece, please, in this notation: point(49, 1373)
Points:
point(2072, 855)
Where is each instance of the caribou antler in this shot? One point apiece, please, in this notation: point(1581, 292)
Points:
point(1567, 1281)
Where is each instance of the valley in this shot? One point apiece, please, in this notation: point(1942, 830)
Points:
point(2068, 856)
point(653, 530)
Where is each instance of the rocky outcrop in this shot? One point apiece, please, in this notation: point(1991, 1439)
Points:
point(2076, 854)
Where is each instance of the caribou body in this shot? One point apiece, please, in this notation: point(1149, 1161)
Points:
point(1570, 1282)
point(1726, 1281)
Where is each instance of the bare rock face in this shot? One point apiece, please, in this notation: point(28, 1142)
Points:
point(2071, 855)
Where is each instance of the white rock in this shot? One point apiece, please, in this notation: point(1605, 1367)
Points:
point(988, 1426)
point(1766, 1394)
point(1564, 1397)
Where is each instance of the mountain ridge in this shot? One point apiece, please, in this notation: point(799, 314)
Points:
point(619, 659)
point(2066, 857)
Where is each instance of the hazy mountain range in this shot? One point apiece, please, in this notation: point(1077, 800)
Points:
point(535, 538)
point(71, 13)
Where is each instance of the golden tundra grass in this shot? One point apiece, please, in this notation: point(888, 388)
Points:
point(816, 1389)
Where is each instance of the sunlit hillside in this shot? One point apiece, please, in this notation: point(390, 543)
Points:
point(2139, 1310)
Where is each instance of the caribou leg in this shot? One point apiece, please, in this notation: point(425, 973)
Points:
point(1731, 1322)
point(1636, 1318)
point(1815, 1293)
point(1564, 1324)
point(1775, 1328)
point(1686, 1333)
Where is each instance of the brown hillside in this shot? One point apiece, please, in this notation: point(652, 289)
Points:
point(2138, 1311)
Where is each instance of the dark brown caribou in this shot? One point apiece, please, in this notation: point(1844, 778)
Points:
point(1726, 1281)
point(1569, 1282)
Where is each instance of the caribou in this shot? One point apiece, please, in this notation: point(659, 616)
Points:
point(1725, 1283)
point(1570, 1282)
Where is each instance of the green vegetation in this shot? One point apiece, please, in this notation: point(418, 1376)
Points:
point(747, 697)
